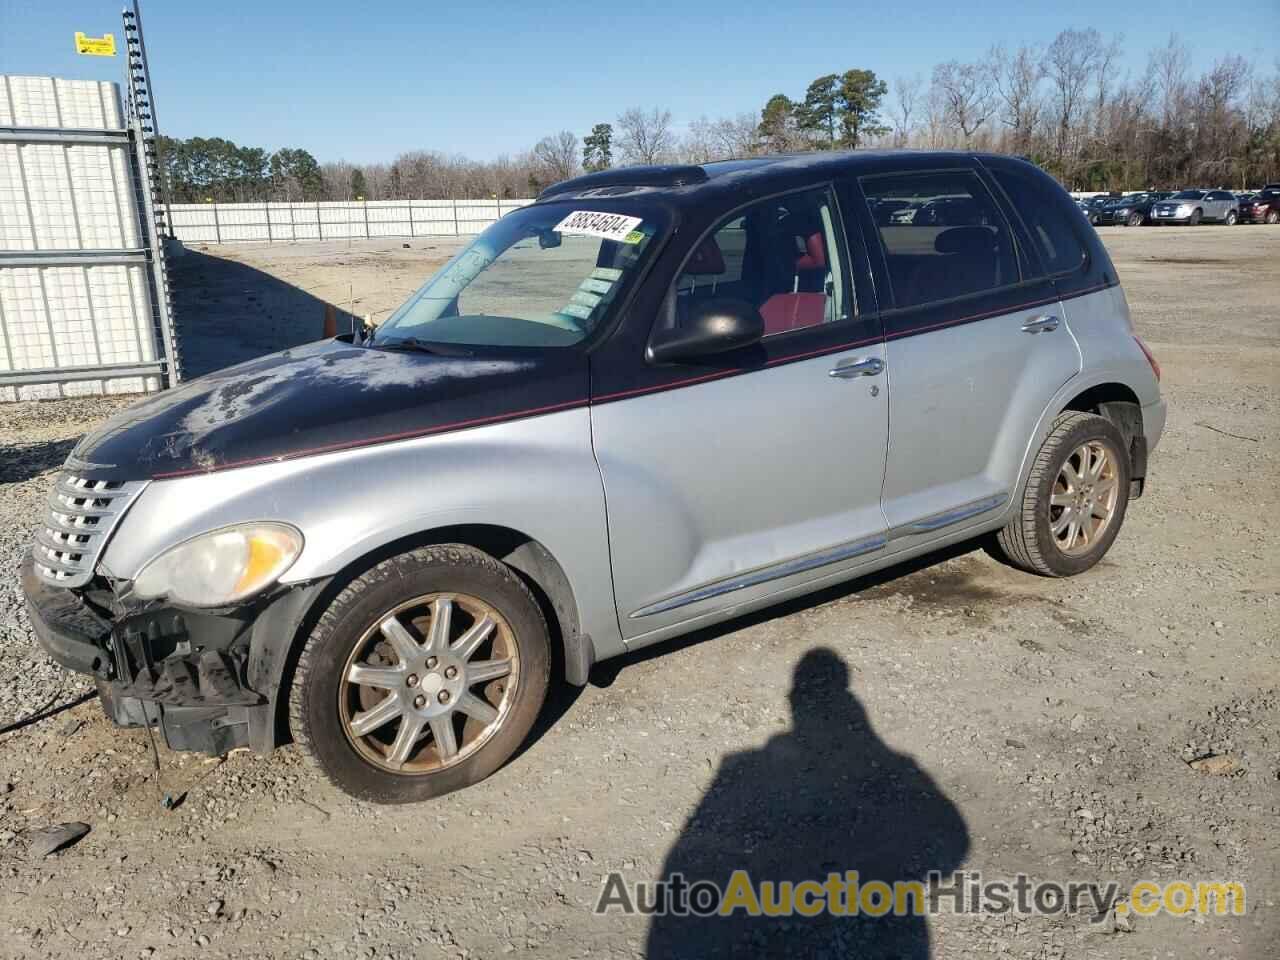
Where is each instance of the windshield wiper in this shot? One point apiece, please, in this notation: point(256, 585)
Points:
point(423, 346)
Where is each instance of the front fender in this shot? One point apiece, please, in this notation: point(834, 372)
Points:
point(536, 476)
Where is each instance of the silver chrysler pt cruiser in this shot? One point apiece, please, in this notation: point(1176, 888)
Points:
point(657, 398)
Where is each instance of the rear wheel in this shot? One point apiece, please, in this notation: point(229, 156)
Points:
point(1075, 499)
point(423, 676)
point(1232, 216)
point(1135, 219)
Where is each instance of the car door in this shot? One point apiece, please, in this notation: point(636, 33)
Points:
point(1220, 203)
point(975, 348)
point(749, 475)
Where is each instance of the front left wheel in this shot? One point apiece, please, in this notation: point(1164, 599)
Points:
point(423, 676)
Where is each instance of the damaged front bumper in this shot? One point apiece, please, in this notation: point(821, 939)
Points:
point(208, 680)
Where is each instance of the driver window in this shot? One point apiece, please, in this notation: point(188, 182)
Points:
point(780, 255)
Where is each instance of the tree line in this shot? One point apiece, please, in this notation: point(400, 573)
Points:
point(1077, 106)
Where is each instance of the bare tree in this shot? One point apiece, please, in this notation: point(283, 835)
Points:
point(935, 116)
point(557, 155)
point(645, 137)
point(1017, 78)
point(1069, 64)
point(726, 138)
point(906, 99)
point(1169, 66)
point(1221, 121)
point(336, 175)
point(967, 92)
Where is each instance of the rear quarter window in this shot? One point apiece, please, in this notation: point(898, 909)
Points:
point(942, 236)
point(1049, 221)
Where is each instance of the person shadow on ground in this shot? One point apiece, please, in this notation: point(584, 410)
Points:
point(828, 796)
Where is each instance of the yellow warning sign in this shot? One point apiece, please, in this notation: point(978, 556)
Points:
point(104, 46)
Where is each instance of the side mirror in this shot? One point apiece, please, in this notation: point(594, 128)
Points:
point(548, 239)
point(714, 326)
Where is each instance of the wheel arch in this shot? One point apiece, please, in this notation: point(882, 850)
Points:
point(1122, 406)
point(1104, 393)
point(282, 630)
point(1091, 399)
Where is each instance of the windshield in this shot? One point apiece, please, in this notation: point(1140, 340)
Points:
point(1188, 195)
point(545, 275)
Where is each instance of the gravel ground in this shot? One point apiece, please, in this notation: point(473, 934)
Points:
point(989, 719)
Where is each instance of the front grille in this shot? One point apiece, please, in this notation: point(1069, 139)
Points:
point(82, 513)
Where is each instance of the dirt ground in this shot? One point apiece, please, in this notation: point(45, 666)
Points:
point(990, 720)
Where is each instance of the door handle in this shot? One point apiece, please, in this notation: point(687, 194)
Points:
point(848, 369)
point(1045, 324)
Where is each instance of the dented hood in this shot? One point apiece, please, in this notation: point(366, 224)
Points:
point(325, 397)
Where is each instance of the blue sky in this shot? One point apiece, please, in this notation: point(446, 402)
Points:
point(366, 81)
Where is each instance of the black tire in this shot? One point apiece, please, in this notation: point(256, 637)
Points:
point(1231, 219)
point(317, 684)
point(1273, 216)
point(1194, 221)
point(1135, 219)
point(1027, 541)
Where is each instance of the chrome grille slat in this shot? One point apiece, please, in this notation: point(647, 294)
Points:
point(68, 543)
point(86, 524)
point(61, 503)
point(81, 516)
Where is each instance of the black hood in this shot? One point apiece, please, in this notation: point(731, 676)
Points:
point(323, 397)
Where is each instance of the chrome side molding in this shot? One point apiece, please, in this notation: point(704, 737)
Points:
point(935, 521)
point(775, 571)
point(822, 558)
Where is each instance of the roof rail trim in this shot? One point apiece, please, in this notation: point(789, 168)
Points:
point(660, 175)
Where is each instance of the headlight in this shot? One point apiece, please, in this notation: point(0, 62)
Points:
point(221, 566)
point(1123, 211)
point(1184, 208)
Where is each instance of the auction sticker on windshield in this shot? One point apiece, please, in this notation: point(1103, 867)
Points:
point(607, 226)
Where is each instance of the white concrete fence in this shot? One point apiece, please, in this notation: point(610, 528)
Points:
point(265, 222)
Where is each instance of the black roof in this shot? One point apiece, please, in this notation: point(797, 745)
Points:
point(684, 180)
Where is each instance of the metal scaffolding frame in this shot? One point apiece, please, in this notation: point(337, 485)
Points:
point(139, 137)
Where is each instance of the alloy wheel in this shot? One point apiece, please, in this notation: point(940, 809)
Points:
point(429, 683)
point(1084, 498)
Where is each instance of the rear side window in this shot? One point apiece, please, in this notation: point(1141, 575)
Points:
point(943, 236)
point(1052, 232)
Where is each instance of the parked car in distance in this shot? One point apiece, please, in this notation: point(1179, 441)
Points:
point(655, 399)
point(1092, 206)
point(1262, 207)
point(1196, 206)
point(1132, 210)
